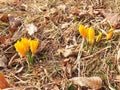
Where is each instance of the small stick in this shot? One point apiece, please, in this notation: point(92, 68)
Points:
point(79, 57)
point(19, 79)
point(11, 60)
point(96, 53)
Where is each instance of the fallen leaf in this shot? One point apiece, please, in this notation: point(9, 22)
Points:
point(4, 18)
point(70, 51)
point(62, 7)
point(55, 88)
point(90, 10)
point(23, 7)
point(67, 52)
point(113, 19)
point(117, 78)
point(16, 3)
point(3, 82)
point(13, 29)
point(75, 11)
point(118, 55)
point(31, 28)
point(14, 23)
point(7, 1)
point(118, 68)
point(3, 61)
point(90, 82)
point(43, 44)
point(2, 39)
point(65, 25)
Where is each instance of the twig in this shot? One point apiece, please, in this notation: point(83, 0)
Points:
point(19, 79)
point(108, 81)
point(12, 58)
point(79, 57)
point(103, 31)
point(95, 53)
point(117, 31)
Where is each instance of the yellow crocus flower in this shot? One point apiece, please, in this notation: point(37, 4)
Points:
point(99, 37)
point(91, 35)
point(83, 31)
point(25, 42)
point(33, 46)
point(20, 48)
point(110, 33)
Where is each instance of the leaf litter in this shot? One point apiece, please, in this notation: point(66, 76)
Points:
point(60, 58)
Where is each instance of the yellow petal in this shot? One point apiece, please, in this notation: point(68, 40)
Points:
point(20, 48)
point(110, 33)
point(25, 42)
point(99, 37)
point(91, 35)
point(83, 31)
point(33, 46)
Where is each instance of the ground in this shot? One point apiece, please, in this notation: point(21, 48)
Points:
point(64, 59)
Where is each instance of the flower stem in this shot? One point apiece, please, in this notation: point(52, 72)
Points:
point(30, 58)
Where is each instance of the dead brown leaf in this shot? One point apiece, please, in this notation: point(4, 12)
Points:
point(14, 23)
point(113, 19)
point(68, 52)
point(118, 68)
point(3, 61)
point(3, 82)
point(91, 10)
point(42, 46)
point(4, 18)
point(7, 1)
point(55, 88)
point(2, 39)
point(118, 55)
point(91, 82)
point(117, 78)
point(75, 11)
point(67, 67)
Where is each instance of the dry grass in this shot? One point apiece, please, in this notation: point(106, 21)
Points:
point(57, 22)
